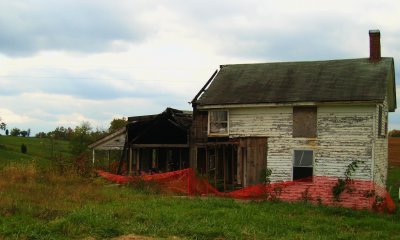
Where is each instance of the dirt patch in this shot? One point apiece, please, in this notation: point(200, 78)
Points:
point(137, 237)
point(394, 151)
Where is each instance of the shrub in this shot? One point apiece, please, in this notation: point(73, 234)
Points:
point(24, 149)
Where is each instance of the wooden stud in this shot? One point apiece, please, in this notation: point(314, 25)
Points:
point(216, 165)
point(130, 161)
point(109, 161)
point(224, 165)
point(233, 166)
point(180, 158)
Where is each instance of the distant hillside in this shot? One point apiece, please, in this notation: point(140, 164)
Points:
point(40, 150)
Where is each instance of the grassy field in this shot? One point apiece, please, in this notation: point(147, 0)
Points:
point(40, 150)
point(38, 203)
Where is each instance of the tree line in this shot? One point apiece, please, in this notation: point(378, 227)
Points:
point(79, 137)
point(82, 135)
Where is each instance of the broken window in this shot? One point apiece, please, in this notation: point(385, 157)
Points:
point(305, 122)
point(218, 122)
point(303, 164)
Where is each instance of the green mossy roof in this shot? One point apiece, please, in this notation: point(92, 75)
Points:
point(314, 81)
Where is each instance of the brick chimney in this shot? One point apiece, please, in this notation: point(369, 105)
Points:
point(374, 45)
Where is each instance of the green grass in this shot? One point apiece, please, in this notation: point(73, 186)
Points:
point(38, 203)
point(393, 183)
point(40, 150)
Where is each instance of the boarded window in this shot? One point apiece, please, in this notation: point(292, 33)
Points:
point(218, 122)
point(305, 122)
point(303, 164)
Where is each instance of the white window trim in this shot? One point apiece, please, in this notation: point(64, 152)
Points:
point(227, 125)
point(313, 161)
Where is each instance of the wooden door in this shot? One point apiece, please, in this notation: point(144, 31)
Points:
point(252, 160)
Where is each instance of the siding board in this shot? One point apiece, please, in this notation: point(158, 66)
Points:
point(345, 134)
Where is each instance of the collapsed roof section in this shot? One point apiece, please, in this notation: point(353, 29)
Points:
point(169, 127)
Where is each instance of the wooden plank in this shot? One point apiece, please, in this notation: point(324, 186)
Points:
point(180, 158)
point(130, 162)
point(160, 145)
point(224, 165)
point(304, 121)
point(207, 164)
point(233, 166)
point(137, 160)
point(239, 165)
point(109, 161)
point(216, 165)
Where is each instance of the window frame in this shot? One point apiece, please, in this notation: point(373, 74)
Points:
point(312, 166)
point(382, 118)
point(209, 123)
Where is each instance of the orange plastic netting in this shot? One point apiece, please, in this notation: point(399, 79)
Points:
point(358, 194)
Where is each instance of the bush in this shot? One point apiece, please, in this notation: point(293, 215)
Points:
point(24, 149)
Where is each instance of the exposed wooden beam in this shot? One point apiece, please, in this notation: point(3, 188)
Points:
point(159, 145)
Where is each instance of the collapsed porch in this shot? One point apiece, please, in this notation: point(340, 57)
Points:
point(230, 164)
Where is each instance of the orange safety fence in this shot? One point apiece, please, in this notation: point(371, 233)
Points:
point(357, 194)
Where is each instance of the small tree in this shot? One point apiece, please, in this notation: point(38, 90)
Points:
point(24, 149)
point(3, 126)
point(7, 132)
point(23, 133)
point(81, 138)
point(117, 123)
point(15, 132)
point(40, 135)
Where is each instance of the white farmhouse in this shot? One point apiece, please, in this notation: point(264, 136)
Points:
point(298, 119)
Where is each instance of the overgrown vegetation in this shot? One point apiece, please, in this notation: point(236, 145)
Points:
point(38, 203)
point(42, 198)
point(345, 184)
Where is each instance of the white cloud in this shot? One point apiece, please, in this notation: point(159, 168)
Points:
point(9, 116)
point(66, 61)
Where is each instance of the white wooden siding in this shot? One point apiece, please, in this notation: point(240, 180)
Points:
point(117, 142)
point(344, 134)
point(380, 167)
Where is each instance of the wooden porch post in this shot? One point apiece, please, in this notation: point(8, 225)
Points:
point(180, 158)
point(137, 160)
point(224, 165)
point(109, 162)
point(130, 161)
point(93, 156)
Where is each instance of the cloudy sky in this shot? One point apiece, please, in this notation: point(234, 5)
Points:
point(67, 61)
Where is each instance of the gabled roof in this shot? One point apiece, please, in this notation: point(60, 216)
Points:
point(113, 140)
point(313, 81)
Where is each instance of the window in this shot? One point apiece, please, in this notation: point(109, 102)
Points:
point(303, 164)
point(218, 122)
point(382, 122)
point(305, 122)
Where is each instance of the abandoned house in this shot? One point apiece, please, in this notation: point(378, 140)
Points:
point(151, 143)
point(296, 119)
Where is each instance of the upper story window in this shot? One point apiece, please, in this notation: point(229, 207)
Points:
point(305, 122)
point(218, 122)
point(382, 122)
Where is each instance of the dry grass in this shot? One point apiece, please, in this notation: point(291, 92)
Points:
point(44, 192)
